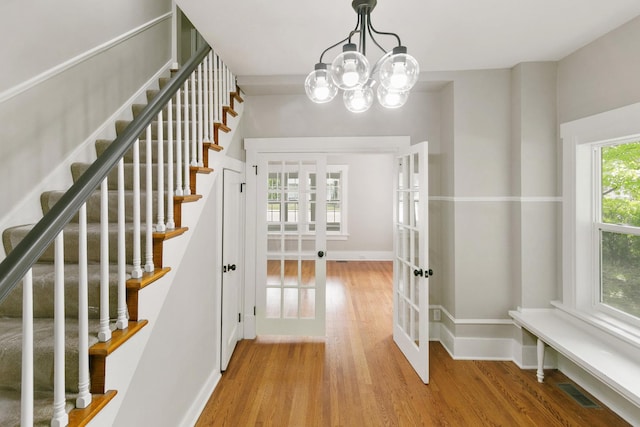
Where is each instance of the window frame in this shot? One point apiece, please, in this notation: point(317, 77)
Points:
point(580, 263)
point(598, 226)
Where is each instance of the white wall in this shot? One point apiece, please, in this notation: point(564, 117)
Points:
point(43, 125)
point(40, 35)
point(370, 207)
point(181, 355)
point(601, 76)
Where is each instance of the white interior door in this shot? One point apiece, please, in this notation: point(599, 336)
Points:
point(291, 237)
point(411, 262)
point(231, 269)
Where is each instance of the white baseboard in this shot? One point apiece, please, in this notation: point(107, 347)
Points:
point(470, 348)
point(192, 415)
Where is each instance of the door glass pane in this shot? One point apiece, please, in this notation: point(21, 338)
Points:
point(290, 310)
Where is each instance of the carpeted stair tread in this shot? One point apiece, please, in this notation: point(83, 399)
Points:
point(43, 288)
point(77, 169)
point(12, 236)
point(121, 125)
point(11, 353)
point(103, 144)
point(49, 198)
point(43, 408)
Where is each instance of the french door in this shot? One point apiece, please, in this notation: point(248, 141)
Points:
point(291, 238)
point(231, 280)
point(411, 262)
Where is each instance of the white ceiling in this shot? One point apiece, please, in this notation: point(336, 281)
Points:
point(281, 40)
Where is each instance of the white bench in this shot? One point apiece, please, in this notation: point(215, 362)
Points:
point(613, 361)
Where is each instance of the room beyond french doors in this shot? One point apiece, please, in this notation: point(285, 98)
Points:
point(411, 259)
point(291, 244)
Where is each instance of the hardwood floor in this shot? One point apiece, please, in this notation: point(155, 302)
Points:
point(356, 376)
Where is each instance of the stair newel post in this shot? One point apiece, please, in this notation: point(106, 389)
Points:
point(148, 266)
point(136, 272)
point(170, 221)
point(26, 400)
point(205, 96)
point(200, 118)
point(104, 333)
point(160, 226)
point(60, 417)
point(84, 397)
point(121, 322)
point(216, 90)
point(194, 121)
point(179, 143)
point(210, 96)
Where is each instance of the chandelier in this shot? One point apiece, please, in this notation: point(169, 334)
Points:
point(395, 72)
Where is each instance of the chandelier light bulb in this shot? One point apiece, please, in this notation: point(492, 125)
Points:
point(399, 71)
point(350, 76)
point(350, 69)
point(358, 100)
point(399, 76)
point(391, 98)
point(319, 86)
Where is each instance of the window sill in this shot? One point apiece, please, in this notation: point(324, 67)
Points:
point(608, 324)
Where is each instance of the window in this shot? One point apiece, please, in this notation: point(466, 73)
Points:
point(601, 221)
point(286, 208)
point(617, 228)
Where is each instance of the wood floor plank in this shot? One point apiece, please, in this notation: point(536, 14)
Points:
point(357, 376)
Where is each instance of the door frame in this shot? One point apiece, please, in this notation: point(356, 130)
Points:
point(255, 147)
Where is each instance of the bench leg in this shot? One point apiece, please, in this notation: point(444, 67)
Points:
point(540, 372)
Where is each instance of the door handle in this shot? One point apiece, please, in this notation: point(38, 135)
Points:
point(320, 254)
point(423, 273)
point(228, 267)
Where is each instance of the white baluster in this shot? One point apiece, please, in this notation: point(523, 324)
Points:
point(104, 333)
point(121, 322)
point(148, 266)
point(216, 90)
point(136, 273)
point(60, 417)
point(194, 122)
point(26, 401)
point(187, 143)
point(210, 93)
point(200, 118)
point(205, 90)
point(170, 221)
point(84, 397)
point(160, 226)
point(178, 144)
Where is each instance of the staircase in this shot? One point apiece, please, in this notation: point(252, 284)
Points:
point(95, 293)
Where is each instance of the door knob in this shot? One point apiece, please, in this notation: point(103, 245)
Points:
point(320, 254)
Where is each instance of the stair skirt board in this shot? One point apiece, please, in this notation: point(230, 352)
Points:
point(44, 276)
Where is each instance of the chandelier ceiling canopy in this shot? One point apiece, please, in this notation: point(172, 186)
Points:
point(395, 73)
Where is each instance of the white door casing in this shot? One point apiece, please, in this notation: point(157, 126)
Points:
point(411, 261)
